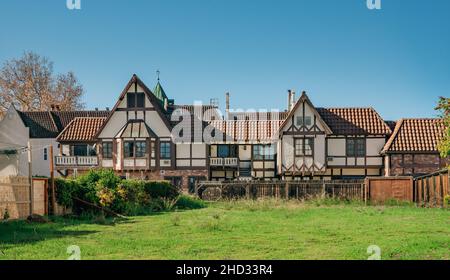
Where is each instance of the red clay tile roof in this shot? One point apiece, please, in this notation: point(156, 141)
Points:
point(81, 130)
point(354, 121)
point(416, 135)
point(63, 118)
point(248, 131)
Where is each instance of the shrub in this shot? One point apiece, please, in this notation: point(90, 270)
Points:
point(161, 189)
point(188, 202)
point(129, 197)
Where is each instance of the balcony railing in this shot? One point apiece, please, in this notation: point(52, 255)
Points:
point(76, 161)
point(228, 162)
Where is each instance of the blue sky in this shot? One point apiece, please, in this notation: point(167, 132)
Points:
point(396, 59)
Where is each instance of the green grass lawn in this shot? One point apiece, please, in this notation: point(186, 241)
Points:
point(242, 230)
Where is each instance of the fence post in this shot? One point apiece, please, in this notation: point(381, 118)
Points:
point(323, 189)
point(286, 190)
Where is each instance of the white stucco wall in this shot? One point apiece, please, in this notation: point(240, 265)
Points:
point(13, 135)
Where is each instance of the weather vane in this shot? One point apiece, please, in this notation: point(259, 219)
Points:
point(157, 73)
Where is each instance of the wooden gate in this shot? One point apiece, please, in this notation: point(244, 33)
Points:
point(382, 189)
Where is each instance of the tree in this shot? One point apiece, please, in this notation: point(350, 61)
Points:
point(30, 85)
point(444, 109)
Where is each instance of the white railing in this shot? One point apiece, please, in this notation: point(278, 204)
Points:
point(231, 162)
point(216, 162)
point(76, 161)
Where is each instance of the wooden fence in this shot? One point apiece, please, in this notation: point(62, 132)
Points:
point(431, 190)
point(213, 190)
point(382, 189)
point(15, 199)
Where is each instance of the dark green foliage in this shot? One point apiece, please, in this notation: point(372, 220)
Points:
point(161, 189)
point(128, 197)
point(188, 202)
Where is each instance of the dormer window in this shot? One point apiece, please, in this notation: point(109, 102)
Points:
point(135, 100)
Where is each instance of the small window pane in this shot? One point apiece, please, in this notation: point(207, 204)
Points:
point(165, 150)
point(128, 149)
point(45, 153)
point(307, 121)
point(107, 150)
point(299, 121)
point(141, 148)
point(131, 100)
point(223, 151)
point(350, 147)
point(361, 147)
point(140, 100)
point(299, 147)
point(258, 152)
point(80, 150)
point(308, 147)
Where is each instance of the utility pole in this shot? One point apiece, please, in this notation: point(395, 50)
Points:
point(52, 179)
point(30, 178)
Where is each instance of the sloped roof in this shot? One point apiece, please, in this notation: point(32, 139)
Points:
point(81, 129)
point(49, 124)
point(416, 135)
point(305, 99)
point(63, 118)
point(136, 129)
point(159, 93)
point(391, 124)
point(258, 115)
point(354, 121)
point(202, 112)
point(41, 124)
point(248, 131)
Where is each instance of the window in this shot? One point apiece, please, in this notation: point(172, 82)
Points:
point(141, 149)
point(304, 147)
point(264, 152)
point(258, 152)
point(269, 152)
point(131, 100)
point(45, 154)
point(128, 149)
point(80, 150)
point(165, 150)
point(136, 100)
point(140, 100)
point(306, 122)
point(223, 151)
point(356, 147)
point(91, 151)
point(107, 150)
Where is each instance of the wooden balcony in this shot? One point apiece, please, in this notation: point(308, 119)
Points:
point(76, 161)
point(224, 162)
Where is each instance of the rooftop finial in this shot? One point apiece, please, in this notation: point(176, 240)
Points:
point(157, 73)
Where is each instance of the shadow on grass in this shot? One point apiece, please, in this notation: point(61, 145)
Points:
point(22, 232)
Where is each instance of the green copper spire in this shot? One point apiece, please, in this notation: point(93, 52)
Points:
point(159, 91)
